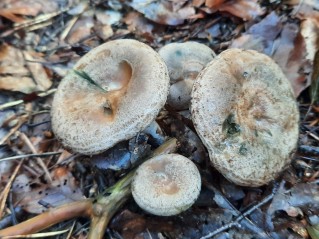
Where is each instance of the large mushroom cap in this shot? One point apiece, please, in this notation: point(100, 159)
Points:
point(184, 61)
point(166, 185)
point(244, 110)
point(132, 87)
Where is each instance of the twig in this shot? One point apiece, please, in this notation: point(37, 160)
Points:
point(71, 23)
point(224, 203)
point(8, 220)
point(22, 120)
point(239, 218)
point(27, 141)
point(100, 210)
point(32, 22)
point(30, 155)
point(313, 135)
point(6, 190)
point(38, 235)
point(71, 230)
point(18, 102)
point(83, 208)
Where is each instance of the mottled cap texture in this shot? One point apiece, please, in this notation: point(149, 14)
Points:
point(130, 86)
point(166, 185)
point(244, 110)
point(184, 61)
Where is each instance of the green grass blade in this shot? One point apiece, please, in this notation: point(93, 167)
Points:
point(86, 77)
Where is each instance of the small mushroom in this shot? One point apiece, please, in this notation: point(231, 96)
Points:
point(166, 185)
point(184, 62)
point(245, 112)
point(114, 92)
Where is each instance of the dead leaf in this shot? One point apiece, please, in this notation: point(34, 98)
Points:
point(108, 17)
point(164, 11)
point(139, 25)
point(244, 9)
point(260, 36)
point(197, 3)
point(214, 3)
point(290, 54)
point(301, 199)
point(39, 75)
point(310, 32)
point(103, 31)
point(36, 197)
point(81, 29)
point(131, 224)
point(11, 8)
point(19, 75)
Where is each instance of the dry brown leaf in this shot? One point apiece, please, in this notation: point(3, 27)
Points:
point(108, 17)
point(36, 198)
point(164, 11)
point(197, 3)
point(19, 75)
point(214, 3)
point(245, 9)
point(38, 73)
point(260, 36)
point(310, 32)
point(139, 25)
point(290, 54)
point(81, 29)
point(288, 50)
point(8, 14)
point(29, 7)
point(303, 198)
point(11, 9)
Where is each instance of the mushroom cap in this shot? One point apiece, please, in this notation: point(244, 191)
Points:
point(166, 185)
point(184, 61)
point(90, 120)
point(244, 110)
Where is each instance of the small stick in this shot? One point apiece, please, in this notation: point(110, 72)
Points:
point(27, 141)
point(22, 120)
point(239, 218)
point(30, 155)
point(100, 210)
point(227, 205)
point(6, 190)
point(19, 102)
point(83, 208)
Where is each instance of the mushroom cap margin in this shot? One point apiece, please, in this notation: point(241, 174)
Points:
point(244, 110)
point(77, 113)
point(166, 185)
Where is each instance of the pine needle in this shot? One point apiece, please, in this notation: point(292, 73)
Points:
point(86, 77)
point(37, 235)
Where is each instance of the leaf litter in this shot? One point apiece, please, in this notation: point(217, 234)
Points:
point(35, 54)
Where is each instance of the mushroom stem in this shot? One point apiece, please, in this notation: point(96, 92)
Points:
point(100, 211)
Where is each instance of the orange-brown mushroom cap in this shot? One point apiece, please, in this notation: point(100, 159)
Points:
point(245, 112)
point(166, 185)
point(135, 80)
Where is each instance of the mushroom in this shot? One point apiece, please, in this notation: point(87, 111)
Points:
point(184, 62)
point(244, 110)
point(114, 92)
point(166, 185)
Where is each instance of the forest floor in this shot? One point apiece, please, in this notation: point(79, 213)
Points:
point(41, 40)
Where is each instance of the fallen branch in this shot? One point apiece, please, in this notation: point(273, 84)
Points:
point(235, 223)
point(99, 210)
